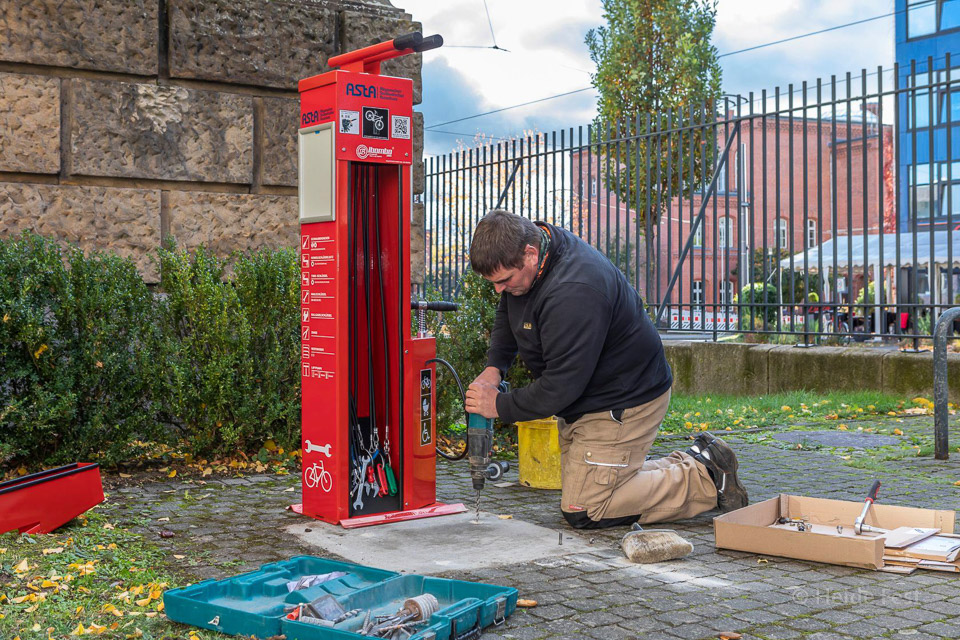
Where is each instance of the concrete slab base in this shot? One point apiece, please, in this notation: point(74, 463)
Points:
point(446, 543)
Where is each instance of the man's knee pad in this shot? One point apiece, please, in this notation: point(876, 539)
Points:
point(580, 520)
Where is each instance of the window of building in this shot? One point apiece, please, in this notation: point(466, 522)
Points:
point(698, 236)
point(724, 233)
point(726, 292)
point(919, 192)
point(918, 102)
point(950, 112)
point(696, 293)
point(949, 14)
point(925, 17)
point(722, 179)
point(811, 233)
point(921, 17)
point(781, 231)
point(593, 188)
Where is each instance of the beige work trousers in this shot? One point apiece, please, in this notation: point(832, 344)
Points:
point(605, 472)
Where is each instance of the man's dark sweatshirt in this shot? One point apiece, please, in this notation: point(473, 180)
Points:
point(583, 332)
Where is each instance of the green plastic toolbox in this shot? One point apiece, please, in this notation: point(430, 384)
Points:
point(256, 603)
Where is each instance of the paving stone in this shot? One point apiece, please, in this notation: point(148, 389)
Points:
point(595, 594)
point(941, 629)
point(777, 633)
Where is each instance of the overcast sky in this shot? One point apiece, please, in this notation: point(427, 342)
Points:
point(547, 56)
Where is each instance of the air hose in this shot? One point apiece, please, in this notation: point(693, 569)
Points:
point(463, 399)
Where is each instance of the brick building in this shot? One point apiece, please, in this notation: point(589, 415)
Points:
point(788, 185)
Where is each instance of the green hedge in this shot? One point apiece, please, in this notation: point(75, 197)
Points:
point(91, 359)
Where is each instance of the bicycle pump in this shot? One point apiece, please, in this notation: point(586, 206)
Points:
point(368, 400)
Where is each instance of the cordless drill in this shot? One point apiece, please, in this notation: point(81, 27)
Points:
point(479, 446)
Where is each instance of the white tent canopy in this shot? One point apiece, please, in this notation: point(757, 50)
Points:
point(843, 246)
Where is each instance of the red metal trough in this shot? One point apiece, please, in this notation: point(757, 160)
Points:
point(41, 502)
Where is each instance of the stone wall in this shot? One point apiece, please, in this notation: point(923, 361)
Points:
point(126, 122)
point(758, 369)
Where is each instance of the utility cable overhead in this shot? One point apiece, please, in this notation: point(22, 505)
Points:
point(825, 30)
point(490, 22)
point(523, 104)
point(723, 55)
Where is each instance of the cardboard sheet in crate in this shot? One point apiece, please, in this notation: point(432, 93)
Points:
point(749, 529)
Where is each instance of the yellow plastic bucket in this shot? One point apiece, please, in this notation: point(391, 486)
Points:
point(539, 451)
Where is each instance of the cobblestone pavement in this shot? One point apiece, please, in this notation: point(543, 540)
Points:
point(227, 526)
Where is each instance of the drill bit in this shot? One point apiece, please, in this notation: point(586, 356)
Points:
point(477, 521)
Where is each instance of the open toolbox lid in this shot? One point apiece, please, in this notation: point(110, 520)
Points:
point(253, 603)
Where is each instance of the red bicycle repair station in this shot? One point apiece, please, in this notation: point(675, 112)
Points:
point(367, 389)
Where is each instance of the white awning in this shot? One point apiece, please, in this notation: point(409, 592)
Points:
point(879, 249)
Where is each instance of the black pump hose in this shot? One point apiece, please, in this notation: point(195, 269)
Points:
point(463, 397)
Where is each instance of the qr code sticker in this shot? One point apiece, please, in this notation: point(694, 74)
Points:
point(401, 127)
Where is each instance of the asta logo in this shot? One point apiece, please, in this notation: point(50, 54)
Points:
point(363, 152)
point(361, 90)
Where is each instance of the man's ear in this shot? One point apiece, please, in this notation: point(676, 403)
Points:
point(531, 251)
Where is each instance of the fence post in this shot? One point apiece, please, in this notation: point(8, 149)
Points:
point(941, 447)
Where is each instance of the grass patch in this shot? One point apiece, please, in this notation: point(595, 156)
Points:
point(87, 578)
point(718, 413)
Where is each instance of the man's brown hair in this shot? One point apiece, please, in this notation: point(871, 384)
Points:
point(499, 241)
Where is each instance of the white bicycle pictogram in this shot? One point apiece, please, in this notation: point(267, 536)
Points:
point(376, 119)
point(315, 475)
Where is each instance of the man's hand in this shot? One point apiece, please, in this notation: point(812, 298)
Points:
point(482, 399)
point(490, 376)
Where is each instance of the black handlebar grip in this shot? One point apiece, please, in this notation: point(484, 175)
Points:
point(430, 42)
point(408, 41)
point(434, 305)
point(874, 490)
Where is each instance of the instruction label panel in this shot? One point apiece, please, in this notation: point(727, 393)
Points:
point(426, 406)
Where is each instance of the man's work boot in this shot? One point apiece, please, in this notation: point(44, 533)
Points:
point(721, 462)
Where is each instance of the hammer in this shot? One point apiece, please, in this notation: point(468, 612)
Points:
point(858, 526)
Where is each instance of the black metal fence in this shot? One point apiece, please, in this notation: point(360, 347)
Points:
point(821, 213)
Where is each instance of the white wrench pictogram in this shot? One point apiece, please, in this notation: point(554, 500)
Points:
point(308, 447)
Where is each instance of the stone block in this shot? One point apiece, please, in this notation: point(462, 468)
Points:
point(713, 362)
point(29, 123)
point(272, 44)
point(224, 222)
point(909, 375)
point(104, 35)
point(418, 178)
point(825, 369)
point(418, 272)
point(680, 358)
point(279, 151)
point(362, 30)
point(122, 221)
point(127, 130)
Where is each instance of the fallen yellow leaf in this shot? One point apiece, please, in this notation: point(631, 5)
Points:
point(143, 602)
point(898, 432)
point(108, 526)
point(125, 475)
point(48, 552)
point(505, 517)
point(22, 567)
point(208, 471)
point(172, 474)
point(79, 631)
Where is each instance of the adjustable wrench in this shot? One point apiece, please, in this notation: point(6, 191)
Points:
point(358, 502)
